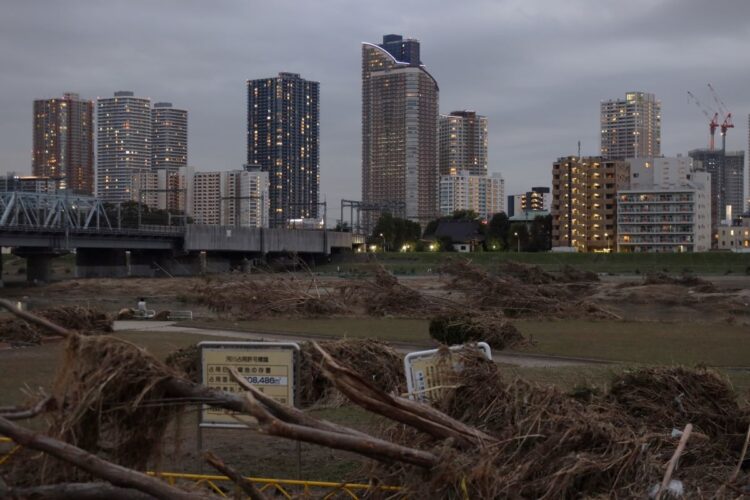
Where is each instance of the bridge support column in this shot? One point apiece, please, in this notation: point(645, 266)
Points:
point(100, 263)
point(38, 262)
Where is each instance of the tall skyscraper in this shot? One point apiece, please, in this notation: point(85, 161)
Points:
point(727, 171)
point(63, 146)
point(399, 128)
point(631, 127)
point(283, 140)
point(463, 143)
point(584, 208)
point(123, 144)
point(169, 151)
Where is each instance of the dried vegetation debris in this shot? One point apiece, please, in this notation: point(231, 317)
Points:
point(493, 328)
point(90, 321)
point(550, 445)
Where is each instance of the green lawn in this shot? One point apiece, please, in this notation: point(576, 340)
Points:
point(617, 263)
point(642, 342)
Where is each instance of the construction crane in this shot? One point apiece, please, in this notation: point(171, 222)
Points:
point(713, 121)
point(726, 123)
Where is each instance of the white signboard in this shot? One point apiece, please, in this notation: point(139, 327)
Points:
point(426, 372)
point(269, 366)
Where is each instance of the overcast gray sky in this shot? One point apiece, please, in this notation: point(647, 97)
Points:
point(537, 68)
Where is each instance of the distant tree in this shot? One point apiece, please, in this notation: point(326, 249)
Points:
point(519, 232)
point(430, 228)
point(540, 234)
point(498, 231)
point(396, 232)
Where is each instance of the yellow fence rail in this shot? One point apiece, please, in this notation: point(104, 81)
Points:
point(286, 488)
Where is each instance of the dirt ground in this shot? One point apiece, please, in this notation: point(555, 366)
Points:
point(728, 301)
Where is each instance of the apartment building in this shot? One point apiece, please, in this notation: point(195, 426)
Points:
point(483, 194)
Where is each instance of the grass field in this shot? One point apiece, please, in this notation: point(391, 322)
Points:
point(717, 263)
point(621, 341)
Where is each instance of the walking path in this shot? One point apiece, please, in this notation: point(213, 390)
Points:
point(505, 357)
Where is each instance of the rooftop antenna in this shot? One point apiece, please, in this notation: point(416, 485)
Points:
point(579, 149)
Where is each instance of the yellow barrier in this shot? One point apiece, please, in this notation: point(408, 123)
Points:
point(288, 488)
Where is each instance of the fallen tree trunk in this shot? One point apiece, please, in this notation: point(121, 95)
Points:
point(115, 474)
point(73, 491)
point(245, 484)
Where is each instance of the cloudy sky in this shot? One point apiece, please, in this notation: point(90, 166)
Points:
point(537, 68)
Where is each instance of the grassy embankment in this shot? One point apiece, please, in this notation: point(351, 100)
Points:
point(716, 263)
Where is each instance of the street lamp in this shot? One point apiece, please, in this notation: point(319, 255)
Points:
point(606, 237)
point(518, 241)
point(384, 246)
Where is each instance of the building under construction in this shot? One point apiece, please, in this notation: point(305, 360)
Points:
point(727, 171)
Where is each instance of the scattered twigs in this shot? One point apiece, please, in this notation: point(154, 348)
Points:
point(32, 318)
point(17, 413)
point(417, 415)
point(378, 449)
point(245, 484)
point(115, 474)
point(675, 459)
point(73, 491)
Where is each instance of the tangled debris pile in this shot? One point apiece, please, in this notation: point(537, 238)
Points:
point(487, 437)
point(545, 295)
point(686, 279)
point(495, 329)
point(16, 331)
point(548, 445)
point(268, 296)
point(374, 360)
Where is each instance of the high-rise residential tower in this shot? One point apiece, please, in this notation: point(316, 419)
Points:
point(283, 139)
point(63, 146)
point(463, 143)
point(631, 127)
point(727, 171)
point(123, 144)
point(399, 128)
point(169, 151)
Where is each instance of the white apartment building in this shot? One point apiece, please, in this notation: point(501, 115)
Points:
point(230, 198)
point(123, 144)
point(666, 209)
point(165, 189)
point(483, 194)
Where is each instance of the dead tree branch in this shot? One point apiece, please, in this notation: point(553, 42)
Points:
point(19, 413)
point(417, 415)
point(73, 491)
point(115, 474)
point(33, 318)
point(237, 478)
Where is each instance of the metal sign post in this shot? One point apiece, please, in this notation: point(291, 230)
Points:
point(428, 374)
point(272, 367)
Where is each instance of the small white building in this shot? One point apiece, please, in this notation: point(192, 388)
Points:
point(734, 237)
point(484, 194)
point(666, 209)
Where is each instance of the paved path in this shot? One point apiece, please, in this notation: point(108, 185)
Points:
point(511, 358)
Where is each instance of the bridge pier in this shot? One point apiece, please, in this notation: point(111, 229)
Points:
point(38, 262)
point(101, 263)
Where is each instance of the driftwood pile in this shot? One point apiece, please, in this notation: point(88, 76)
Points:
point(487, 438)
point(520, 290)
point(17, 331)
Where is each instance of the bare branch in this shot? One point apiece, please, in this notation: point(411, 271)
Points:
point(16, 413)
point(33, 318)
point(74, 491)
point(377, 449)
point(290, 414)
point(417, 415)
point(97, 466)
point(237, 478)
